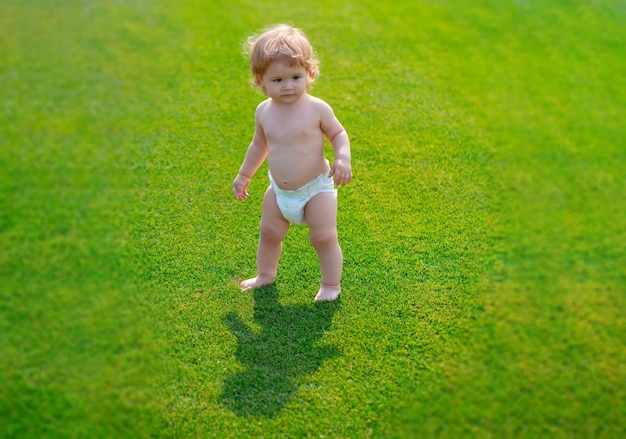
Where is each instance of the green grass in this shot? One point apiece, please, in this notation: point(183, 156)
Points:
point(484, 233)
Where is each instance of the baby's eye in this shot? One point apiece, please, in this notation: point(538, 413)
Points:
point(295, 78)
point(277, 80)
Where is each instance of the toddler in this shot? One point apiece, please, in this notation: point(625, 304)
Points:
point(290, 127)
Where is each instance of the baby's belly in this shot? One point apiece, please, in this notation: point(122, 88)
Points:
point(290, 176)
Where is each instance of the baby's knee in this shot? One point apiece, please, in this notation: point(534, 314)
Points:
point(270, 233)
point(321, 238)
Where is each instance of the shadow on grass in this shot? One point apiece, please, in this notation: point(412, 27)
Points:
point(276, 357)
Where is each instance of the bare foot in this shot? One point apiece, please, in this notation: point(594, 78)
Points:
point(256, 282)
point(328, 292)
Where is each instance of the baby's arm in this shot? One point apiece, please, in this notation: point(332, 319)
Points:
point(257, 151)
point(339, 140)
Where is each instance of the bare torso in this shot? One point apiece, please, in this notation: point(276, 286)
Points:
point(295, 141)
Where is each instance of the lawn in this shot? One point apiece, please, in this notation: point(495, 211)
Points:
point(484, 233)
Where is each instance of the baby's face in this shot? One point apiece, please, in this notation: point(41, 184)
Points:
point(284, 81)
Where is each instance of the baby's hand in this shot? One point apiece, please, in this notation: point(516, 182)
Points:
point(240, 187)
point(342, 171)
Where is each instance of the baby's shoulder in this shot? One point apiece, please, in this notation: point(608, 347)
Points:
point(262, 109)
point(320, 105)
point(318, 102)
point(263, 105)
point(323, 109)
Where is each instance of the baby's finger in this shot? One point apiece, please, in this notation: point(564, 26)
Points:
point(239, 193)
point(345, 179)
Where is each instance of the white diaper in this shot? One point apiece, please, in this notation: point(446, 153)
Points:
point(292, 203)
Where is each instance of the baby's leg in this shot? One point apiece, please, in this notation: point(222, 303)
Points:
point(321, 217)
point(274, 228)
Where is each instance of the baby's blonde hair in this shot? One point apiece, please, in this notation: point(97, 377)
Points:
point(278, 42)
